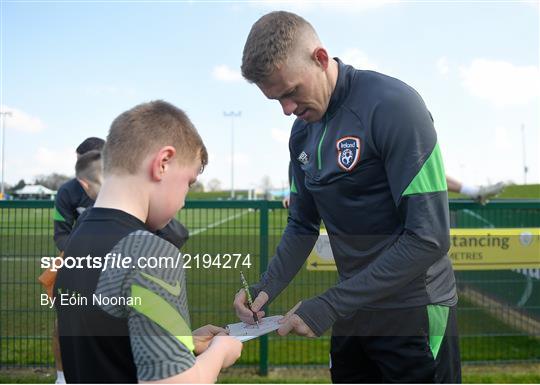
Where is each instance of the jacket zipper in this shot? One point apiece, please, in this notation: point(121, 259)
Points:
point(319, 159)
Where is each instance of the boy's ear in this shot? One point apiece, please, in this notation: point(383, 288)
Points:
point(161, 162)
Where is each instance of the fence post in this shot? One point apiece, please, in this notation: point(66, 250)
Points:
point(263, 239)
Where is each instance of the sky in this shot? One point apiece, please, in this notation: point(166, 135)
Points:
point(68, 68)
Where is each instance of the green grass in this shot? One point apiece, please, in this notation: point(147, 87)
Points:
point(474, 374)
point(529, 191)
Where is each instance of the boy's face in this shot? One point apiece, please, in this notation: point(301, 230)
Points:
point(170, 193)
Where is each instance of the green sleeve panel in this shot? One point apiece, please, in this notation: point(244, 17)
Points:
point(293, 187)
point(438, 319)
point(57, 216)
point(431, 177)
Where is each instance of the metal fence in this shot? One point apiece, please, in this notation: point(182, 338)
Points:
point(498, 314)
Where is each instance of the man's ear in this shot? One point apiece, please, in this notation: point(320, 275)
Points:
point(161, 162)
point(320, 56)
point(84, 184)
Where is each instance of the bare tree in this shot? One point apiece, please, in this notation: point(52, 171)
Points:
point(266, 183)
point(214, 185)
point(197, 187)
point(52, 181)
point(20, 184)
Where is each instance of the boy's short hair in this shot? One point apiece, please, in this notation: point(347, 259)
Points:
point(89, 166)
point(90, 144)
point(145, 128)
point(271, 40)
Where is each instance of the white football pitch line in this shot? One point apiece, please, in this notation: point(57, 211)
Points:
point(220, 222)
point(193, 233)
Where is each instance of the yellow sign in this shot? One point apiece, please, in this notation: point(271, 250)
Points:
point(470, 249)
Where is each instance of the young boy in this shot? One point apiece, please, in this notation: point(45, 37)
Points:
point(77, 195)
point(120, 320)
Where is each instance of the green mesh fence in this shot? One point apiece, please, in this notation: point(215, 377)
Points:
point(498, 313)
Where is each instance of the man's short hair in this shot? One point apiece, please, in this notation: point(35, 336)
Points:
point(269, 43)
point(90, 144)
point(147, 127)
point(89, 166)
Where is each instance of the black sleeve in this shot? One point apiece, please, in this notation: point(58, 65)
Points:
point(298, 239)
point(63, 218)
point(175, 233)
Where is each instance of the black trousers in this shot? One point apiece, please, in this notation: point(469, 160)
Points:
point(387, 346)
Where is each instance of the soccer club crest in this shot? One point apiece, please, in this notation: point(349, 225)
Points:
point(348, 149)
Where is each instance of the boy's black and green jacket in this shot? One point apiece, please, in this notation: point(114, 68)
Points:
point(372, 170)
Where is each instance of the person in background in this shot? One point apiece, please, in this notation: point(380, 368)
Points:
point(81, 191)
point(72, 198)
point(482, 194)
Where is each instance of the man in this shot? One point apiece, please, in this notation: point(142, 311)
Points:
point(365, 160)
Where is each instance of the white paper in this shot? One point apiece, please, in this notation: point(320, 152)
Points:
point(245, 332)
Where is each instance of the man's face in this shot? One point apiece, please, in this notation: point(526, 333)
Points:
point(92, 187)
point(301, 89)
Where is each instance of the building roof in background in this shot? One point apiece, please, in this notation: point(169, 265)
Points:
point(34, 189)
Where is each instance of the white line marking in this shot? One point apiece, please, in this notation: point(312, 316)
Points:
point(220, 222)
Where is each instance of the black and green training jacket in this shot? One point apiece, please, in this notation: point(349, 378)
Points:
point(372, 171)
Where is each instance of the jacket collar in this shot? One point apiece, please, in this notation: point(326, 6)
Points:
point(340, 91)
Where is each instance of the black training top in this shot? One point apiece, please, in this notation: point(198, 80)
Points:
point(71, 200)
point(372, 170)
point(121, 323)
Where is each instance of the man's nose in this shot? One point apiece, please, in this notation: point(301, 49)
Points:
point(288, 106)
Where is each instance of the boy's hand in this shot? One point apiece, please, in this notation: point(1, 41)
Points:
point(242, 310)
point(203, 336)
point(230, 346)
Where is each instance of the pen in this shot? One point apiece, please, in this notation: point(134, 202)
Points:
point(250, 301)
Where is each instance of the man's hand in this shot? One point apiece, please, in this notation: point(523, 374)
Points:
point(204, 335)
point(293, 323)
point(242, 310)
point(286, 202)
